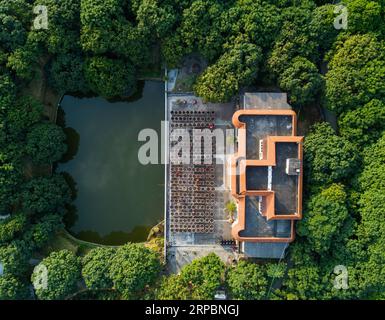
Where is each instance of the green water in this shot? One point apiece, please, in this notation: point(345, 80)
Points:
point(117, 199)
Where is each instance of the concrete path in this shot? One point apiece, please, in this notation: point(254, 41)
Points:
point(179, 256)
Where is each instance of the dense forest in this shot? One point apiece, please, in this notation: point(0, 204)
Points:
point(102, 47)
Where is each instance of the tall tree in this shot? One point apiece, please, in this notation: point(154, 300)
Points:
point(14, 258)
point(45, 194)
point(155, 19)
point(236, 68)
point(45, 143)
point(200, 27)
point(12, 288)
point(133, 268)
point(322, 28)
point(11, 227)
point(328, 157)
point(356, 73)
point(56, 276)
point(324, 217)
point(247, 281)
point(107, 27)
point(10, 178)
point(66, 74)
point(302, 81)
point(365, 16)
point(364, 125)
point(258, 21)
point(63, 32)
point(295, 39)
point(7, 91)
point(22, 114)
point(198, 280)
point(95, 271)
point(12, 32)
point(110, 77)
point(42, 231)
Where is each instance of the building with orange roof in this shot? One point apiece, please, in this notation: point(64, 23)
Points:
point(266, 175)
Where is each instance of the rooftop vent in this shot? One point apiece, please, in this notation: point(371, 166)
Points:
point(261, 149)
point(293, 166)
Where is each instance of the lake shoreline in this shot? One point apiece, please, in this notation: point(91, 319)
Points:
point(153, 94)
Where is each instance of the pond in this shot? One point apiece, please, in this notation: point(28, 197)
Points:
point(117, 198)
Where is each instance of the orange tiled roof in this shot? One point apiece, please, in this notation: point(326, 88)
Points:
point(238, 184)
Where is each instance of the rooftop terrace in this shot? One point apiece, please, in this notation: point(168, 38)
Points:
point(265, 184)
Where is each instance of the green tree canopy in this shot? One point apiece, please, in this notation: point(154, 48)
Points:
point(373, 174)
point(200, 27)
point(322, 27)
point(154, 18)
point(247, 281)
point(173, 288)
point(365, 16)
point(63, 273)
point(14, 258)
point(372, 209)
point(22, 114)
point(328, 157)
point(102, 24)
point(324, 216)
point(46, 143)
point(107, 28)
point(198, 280)
point(17, 8)
point(45, 194)
point(22, 61)
point(295, 39)
point(133, 268)
point(10, 178)
point(356, 73)
point(95, 271)
point(365, 125)
point(306, 282)
point(258, 21)
point(66, 74)
point(12, 33)
point(63, 33)
point(366, 275)
point(42, 231)
point(237, 67)
point(7, 91)
point(110, 77)
point(12, 288)
point(367, 245)
point(171, 50)
point(11, 227)
point(276, 270)
point(302, 80)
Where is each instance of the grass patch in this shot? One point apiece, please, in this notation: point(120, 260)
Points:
point(185, 83)
point(64, 241)
point(60, 242)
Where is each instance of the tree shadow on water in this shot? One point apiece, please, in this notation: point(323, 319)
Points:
point(115, 238)
point(71, 216)
point(72, 141)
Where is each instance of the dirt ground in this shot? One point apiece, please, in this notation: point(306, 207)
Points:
point(38, 88)
point(307, 117)
point(192, 66)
